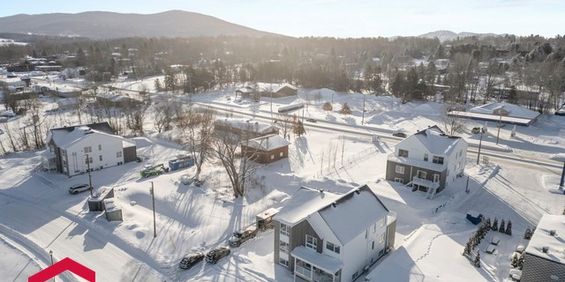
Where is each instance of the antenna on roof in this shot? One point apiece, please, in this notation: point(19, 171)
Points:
point(334, 204)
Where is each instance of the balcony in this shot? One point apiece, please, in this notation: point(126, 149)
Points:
point(424, 182)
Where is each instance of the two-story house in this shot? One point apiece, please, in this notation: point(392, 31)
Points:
point(75, 149)
point(322, 236)
point(428, 161)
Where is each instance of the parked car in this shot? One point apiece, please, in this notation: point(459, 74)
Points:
point(216, 254)
point(186, 179)
point(79, 188)
point(198, 182)
point(311, 120)
point(399, 134)
point(239, 237)
point(190, 260)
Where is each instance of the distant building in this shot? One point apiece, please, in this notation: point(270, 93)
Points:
point(500, 112)
point(266, 149)
point(322, 236)
point(544, 258)
point(428, 161)
point(285, 90)
point(244, 129)
point(69, 146)
point(266, 90)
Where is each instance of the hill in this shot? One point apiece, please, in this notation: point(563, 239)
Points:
point(105, 25)
point(446, 35)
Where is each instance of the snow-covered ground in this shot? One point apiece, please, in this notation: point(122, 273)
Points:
point(430, 233)
point(15, 265)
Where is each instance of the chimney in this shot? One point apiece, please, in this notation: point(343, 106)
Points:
point(322, 191)
point(552, 232)
point(545, 249)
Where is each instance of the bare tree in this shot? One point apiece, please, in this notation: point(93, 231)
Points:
point(200, 138)
point(239, 167)
point(164, 116)
point(452, 125)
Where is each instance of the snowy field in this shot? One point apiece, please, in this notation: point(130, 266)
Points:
point(431, 234)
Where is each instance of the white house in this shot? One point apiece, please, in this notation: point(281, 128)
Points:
point(428, 161)
point(322, 236)
point(69, 147)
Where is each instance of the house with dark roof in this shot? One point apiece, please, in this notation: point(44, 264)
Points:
point(428, 161)
point(74, 150)
point(323, 236)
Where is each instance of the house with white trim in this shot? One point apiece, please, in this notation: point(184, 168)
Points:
point(323, 236)
point(76, 149)
point(429, 160)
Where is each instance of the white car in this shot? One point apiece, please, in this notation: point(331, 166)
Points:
point(75, 189)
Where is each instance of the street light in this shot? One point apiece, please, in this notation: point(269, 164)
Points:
point(51, 256)
point(561, 158)
point(152, 192)
point(89, 175)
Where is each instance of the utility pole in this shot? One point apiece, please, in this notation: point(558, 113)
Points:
point(89, 175)
point(51, 256)
point(363, 118)
point(480, 143)
point(152, 192)
point(499, 126)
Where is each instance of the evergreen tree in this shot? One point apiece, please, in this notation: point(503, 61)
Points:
point(327, 106)
point(509, 228)
point(495, 224)
point(158, 85)
point(299, 128)
point(345, 110)
point(477, 261)
point(467, 250)
point(502, 227)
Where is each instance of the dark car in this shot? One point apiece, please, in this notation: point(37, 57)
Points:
point(311, 120)
point(79, 188)
point(239, 237)
point(216, 254)
point(191, 260)
point(399, 134)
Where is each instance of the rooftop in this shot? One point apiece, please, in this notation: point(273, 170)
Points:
point(436, 141)
point(512, 109)
point(246, 125)
point(543, 238)
point(268, 142)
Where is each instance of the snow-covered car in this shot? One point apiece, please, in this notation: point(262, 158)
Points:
point(216, 254)
point(239, 237)
point(311, 120)
point(399, 134)
point(198, 182)
point(515, 274)
point(78, 188)
point(560, 112)
point(191, 260)
point(186, 179)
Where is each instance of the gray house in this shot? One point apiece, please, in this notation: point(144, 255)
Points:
point(428, 161)
point(544, 258)
point(322, 236)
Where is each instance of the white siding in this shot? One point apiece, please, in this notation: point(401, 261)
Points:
point(110, 147)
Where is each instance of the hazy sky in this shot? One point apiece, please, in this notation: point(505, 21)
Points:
point(342, 18)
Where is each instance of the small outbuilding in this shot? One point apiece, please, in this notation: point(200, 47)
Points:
point(266, 149)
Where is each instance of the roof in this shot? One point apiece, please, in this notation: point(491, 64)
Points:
point(512, 109)
point(267, 142)
point(542, 238)
point(436, 141)
point(66, 136)
point(355, 211)
point(303, 203)
point(246, 125)
point(346, 215)
point(490, 117)
point(327, 263)
point(286, 85)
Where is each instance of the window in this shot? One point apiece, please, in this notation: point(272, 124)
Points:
point(283, 246)
point(303, 268)
point(118, 154)
point(88, 160)
point(88, 149)
point(272, 157)
point(436, 177)
point(425, 157)
point(283, 262)
point(334, 248)
point(422, 174)
point(437, 160)
point(373, 245)
point(285, 230)
point(281, 154)
point(402, 153)
point(399, 180)
point(311, 242)
point(100, 157)
point(399, 169)
point(99, 147)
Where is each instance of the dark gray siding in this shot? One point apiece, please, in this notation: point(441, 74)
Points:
point(540, 269)
point(411, 171)
point(297, 238)
point(130, 154)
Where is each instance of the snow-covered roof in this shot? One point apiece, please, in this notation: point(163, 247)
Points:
point(327, 263)
point(66, 136)
point(436, 141)
point(542, 238)
point(355, 211)
point(268, 142)
point(346, 215)
point(304, 202)
point(284, 86)
point(491, 117)
point(512, 109)
point(558, 157)
point(246, 125)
